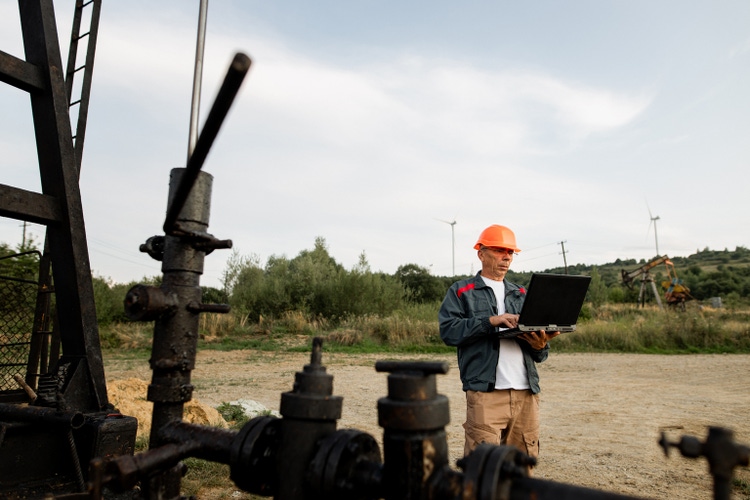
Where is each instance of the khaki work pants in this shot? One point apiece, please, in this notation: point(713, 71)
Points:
point(502, 417)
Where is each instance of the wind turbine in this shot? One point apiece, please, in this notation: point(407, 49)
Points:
point(453, 241)
point(653, 221)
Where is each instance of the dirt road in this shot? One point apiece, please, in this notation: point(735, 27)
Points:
point(601, 413)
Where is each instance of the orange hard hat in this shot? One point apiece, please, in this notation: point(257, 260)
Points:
point(497, 236)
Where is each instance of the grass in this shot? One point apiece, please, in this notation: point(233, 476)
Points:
point(740, 488)
point(234, 414)
point(607, 328)
point(619, 328)
point(205, 479)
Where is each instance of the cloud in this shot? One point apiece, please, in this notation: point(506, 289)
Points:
point(407, 97)
point(366, 154)
point(359, 154)
point(739, 50)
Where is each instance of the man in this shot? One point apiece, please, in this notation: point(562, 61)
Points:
point(499, 376)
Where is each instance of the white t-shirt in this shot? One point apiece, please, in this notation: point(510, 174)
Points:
point(511, 369)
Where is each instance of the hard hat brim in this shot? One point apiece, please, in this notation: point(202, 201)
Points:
point(479, 246)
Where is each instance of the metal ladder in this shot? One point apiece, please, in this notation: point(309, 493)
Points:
point(91, 9)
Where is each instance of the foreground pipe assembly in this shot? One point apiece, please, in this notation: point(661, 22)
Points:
point(303, 456)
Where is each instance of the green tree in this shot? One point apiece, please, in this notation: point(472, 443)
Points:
point(314, 283)
point(420, 284)
point(616, 294)
point(109, 306)
point(235, 265)
point(276, 287)
point(212, 295)
point(358, 292)
point(246, 284)
point(312, 269)
point(21, 262)
point(597, 293)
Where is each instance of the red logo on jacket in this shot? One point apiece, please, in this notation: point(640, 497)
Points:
point(466, 288)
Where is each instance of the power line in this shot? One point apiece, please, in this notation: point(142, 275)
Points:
point(540, 256)
point(543, 246)
point(121, 258)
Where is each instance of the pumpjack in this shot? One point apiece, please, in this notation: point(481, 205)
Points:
point(675, 292)
point(60, 437)
point(54, 412)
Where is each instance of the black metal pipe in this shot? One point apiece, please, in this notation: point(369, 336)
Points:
point(228, 91)
point(41, 415)
point(210, 443)
point(175, 341)
point(124, 472)
point(538, 489)
point(413, 417)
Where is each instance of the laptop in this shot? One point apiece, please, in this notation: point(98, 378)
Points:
point(553, 302)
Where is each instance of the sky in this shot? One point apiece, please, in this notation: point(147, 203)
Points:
point(376, 124)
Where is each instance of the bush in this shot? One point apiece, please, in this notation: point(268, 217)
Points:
point(109, 303)
point(627, 328)
point(314, 285)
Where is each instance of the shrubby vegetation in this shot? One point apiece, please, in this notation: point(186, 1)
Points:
point(21, 262)
point(707, 273)
point(312, 283)
point(280, 303)
point(625, 328)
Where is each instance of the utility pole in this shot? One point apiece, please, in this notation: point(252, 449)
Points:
point(565, 260)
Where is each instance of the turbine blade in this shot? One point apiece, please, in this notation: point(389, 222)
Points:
point(446, 221)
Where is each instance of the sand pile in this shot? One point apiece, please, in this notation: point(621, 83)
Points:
point(129, 398)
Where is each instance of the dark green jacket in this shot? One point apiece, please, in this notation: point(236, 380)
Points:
point(465, 324)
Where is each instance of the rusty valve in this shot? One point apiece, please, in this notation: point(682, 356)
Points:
point(154, 246)
point(721, 451)
point(147, 303)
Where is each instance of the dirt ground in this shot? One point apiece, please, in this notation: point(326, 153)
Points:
point(602, 414)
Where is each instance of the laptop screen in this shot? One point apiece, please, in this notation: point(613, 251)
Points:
point(553, 301)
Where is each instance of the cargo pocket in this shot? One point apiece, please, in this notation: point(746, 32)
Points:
point(531, 440)
point(477, 434)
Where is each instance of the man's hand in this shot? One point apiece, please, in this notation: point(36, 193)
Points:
point(537, 340)
point(506, 320)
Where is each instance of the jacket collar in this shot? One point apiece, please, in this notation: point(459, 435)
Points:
point(509, 286)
